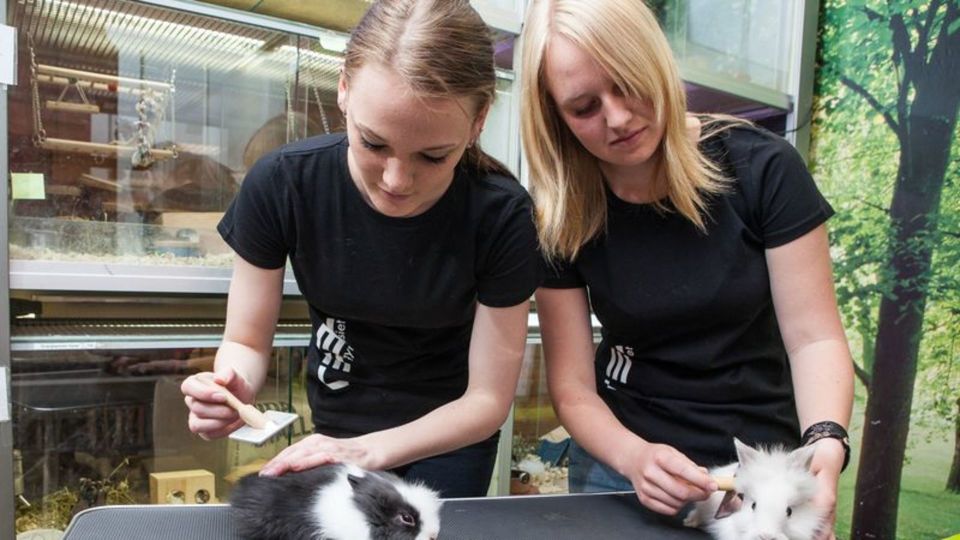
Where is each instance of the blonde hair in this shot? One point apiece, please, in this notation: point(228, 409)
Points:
point(623, 36)
point(441, 48)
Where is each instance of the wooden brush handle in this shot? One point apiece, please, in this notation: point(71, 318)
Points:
point(724, 483)
point(250, 414)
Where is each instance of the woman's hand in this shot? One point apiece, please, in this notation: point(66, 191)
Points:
point(665, 479)
point(210, 417)
point(316, 450)
point(826, 465)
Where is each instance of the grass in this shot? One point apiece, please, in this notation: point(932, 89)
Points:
point(926, 510)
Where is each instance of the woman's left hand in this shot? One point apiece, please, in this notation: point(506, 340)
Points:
point(826, 466)
point(316, 450)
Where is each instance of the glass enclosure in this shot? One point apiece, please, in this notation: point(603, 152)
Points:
point(539, 446)
point(97, 412)
point(538, 462)
point(746, 42)
point(108, 426)
point(137, 124)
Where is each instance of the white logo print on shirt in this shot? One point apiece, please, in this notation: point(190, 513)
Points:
point(337, 355)
point(618, 366)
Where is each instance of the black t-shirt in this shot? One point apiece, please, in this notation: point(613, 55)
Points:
point(392, 300)
point(691, 353)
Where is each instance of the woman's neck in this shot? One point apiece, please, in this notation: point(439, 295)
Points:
point(636, 183)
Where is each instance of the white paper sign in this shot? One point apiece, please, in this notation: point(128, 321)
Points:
point(8, 54)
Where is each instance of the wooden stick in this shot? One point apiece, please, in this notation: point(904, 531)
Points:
point(121, 206)
point(62, 81)
point(69, 106)
point(90, 180)
point(64, 191)
point(98, 77)
point(724, 483)
point(250, 414)
point(84, 147)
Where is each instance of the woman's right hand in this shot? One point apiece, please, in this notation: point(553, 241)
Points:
point(665, 479)
point(210, 417)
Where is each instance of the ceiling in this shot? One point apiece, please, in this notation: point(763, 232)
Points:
point(341, 15)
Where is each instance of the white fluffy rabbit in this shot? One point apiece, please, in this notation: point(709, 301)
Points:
point(773, 498)
point(334, 502)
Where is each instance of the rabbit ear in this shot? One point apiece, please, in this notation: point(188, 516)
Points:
point(801, 457)
point(745, 454)
point(731, 503)
point(354, 480)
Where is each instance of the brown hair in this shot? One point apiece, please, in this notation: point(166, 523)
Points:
point(441, 48)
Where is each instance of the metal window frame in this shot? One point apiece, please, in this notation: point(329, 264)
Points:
point(803, 75)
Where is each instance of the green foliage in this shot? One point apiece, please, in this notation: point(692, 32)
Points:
point(853, 164)
point(863, 93)
point(855, 155)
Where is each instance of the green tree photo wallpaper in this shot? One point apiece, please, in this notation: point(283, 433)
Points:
point(886, 152)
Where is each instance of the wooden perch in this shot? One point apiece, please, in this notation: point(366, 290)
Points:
point(68, 106)
point(63, 81)
point(96, 182)
point(63, 191)
point(91, 148)
point(125, 207)
point(44, 69)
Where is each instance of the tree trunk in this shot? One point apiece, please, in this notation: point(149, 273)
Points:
point(953, 479)
point(925, 140)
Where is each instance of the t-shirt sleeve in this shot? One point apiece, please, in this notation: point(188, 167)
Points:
point(561, 274)
point(788, 203)
point(510, 269)
point(254, 224)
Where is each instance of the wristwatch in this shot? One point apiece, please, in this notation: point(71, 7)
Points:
point(828, 430)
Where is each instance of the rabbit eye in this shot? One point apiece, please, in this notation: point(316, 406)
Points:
point(754, 505)
point(406, 519)
point(789, 511)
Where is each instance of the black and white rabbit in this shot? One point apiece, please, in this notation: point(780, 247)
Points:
point(773, 498)
point(334, 502)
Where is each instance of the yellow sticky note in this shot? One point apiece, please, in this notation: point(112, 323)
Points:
point(27, 186)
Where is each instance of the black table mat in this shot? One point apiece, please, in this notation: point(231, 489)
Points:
point(564, 517)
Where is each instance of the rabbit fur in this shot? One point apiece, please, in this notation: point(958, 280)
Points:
point(334, 502)
point(773, 499)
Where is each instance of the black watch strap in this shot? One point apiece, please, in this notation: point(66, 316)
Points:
point(828, 430)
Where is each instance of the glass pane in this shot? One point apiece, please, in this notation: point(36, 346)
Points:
point(748, 41)
point(316, 111)
point(95, 427)
point(140, 122)
point(503, 49)
point(498, 138)
point(539, 457)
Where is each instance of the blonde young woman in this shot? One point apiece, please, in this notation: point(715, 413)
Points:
point(416, 253)
point(706, 263)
